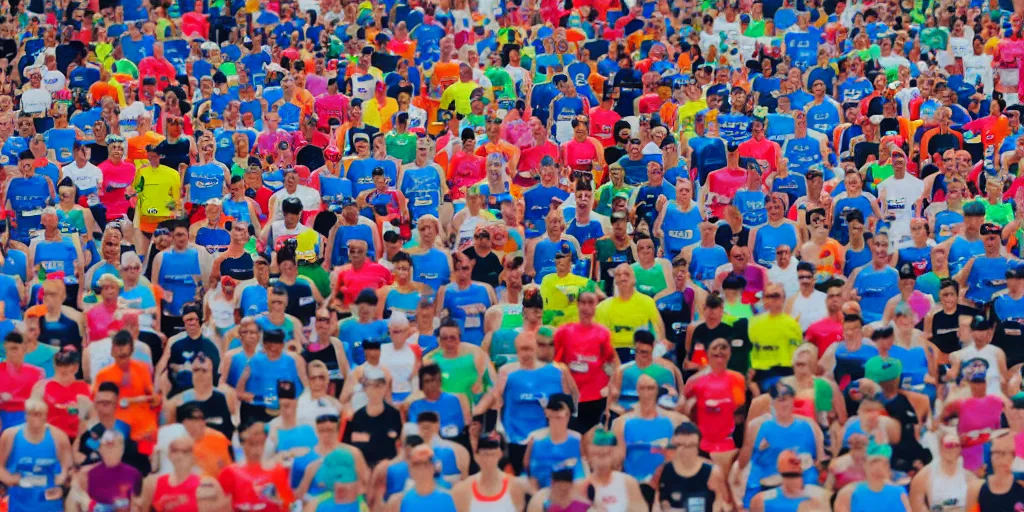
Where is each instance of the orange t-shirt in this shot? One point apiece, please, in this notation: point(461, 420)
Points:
point(445, 74)
point(137, 145)
point(140, 416)
point(212, 452)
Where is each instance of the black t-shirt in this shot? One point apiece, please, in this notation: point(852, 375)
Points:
point(183, 351)
point(487, 268)
point(99, 153)
point(726, 238)
point(375, 436)
point(89, 445)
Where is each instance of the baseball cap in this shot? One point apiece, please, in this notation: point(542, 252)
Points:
point(337, 467)
point(361, 137)
point(555, 401)
point(980, 323)
point(781, 390)
point(989, 228)
point(789, 464)
point(285, 389)
point(622, 194)
point(883, 369)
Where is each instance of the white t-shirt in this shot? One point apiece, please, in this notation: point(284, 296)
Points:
point(732, 30)
point(900, 196)
point(310, 199)
point(36, 101)
point(54, 81)
point(979, 66)
point(85, 178)
point(129, 118)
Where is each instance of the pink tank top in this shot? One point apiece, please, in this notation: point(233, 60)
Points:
point(98, 319)
point(985, 414)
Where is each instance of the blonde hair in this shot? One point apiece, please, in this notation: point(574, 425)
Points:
point(35, 405)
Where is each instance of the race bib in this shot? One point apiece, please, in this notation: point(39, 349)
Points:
point(473, 322)
point(578, 367)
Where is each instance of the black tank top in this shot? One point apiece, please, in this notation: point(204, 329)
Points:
point(686, 492)
point(991, 502)
point(327, 356)
point(945, 327)
point(215, 408)
point(239, 268)
point(60, 333)
point(301, 303)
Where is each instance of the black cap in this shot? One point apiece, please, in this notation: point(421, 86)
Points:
point(273, 336)
point(780, 390)
point(980, 323)
point(734, 282)
point(556, 400)
point(356, 102)
point(907, 272)
point(367, 296)
point(371, 345)
point(392, 237)
point(291, 205)
point(489, 441)
point(1016, 272)
point(882, 333)
point(190, 411)
point(285, 389)
point(377, 171)
point(563, 475)
point(989, 228)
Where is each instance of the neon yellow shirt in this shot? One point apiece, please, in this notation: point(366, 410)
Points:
point(773, 338)
point(459, 92)
point(560, 294)
point(623, 317)
point(159, 190)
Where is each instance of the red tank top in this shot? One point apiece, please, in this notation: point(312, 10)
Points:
point(176, 498)
point(16, 385)
point(718, 396)
point(62, 402)
point(580, 156)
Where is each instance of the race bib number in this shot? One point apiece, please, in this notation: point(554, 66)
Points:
point(578, 367)
point(473, 322)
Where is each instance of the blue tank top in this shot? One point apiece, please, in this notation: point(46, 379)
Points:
point(213, 239)
point(538, 203)
point(944, 222)
point(647, 200)
point(302, 436)
point(680, 228)
point(1009, 309)
point(397, 479)
point(734, 128)
point(563, 110)
point(875, 288)
point(751, 205)
point(9, 296)
point(961, 250)
point(915, 365)
point(238, 210)
point(802, 152)
point(547, 455)
point(988, 275)
point(840, 209)
point(704, 262)
point(768, 238)
point(709, 154)
point(404, 302)
point(584, 233)
point(263, 377)
point(339, 252)
point(180, 274)
point(59, 256)
point(334, 188)
point(253, 300)
point(798, 437)
point(794, 185)
point(28, 198)
point(778, 502)
point(431, 268)
point(918, 257)
point(274, 180)
point(864, 499)
point(525, 391)
point(15, 264)
point(205, 182)
point(238, 363)
point(631, 374)
point(856, 259)
point(101, 269)
point(641, 436)
point(352, 333)
point(456, 301)
point(448, 407)
point(544, 258)
point(38, 465)
point(360, 173)
point(422, 188)
point(437, 501)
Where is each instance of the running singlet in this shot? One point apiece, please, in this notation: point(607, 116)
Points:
point(176, 498)
point(38, 467)
point(718, 396)
point(253, 487)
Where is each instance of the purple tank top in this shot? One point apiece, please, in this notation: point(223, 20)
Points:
point(754, 278)
point(114, 486)
point(576, 506)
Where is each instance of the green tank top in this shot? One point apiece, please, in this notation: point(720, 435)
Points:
point(511, 316)
point(458, 374)
point(71, 222)
point(1001, 213)
point(739, 310)
point(649, 281)
point(503, 343)
point(822, 395)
